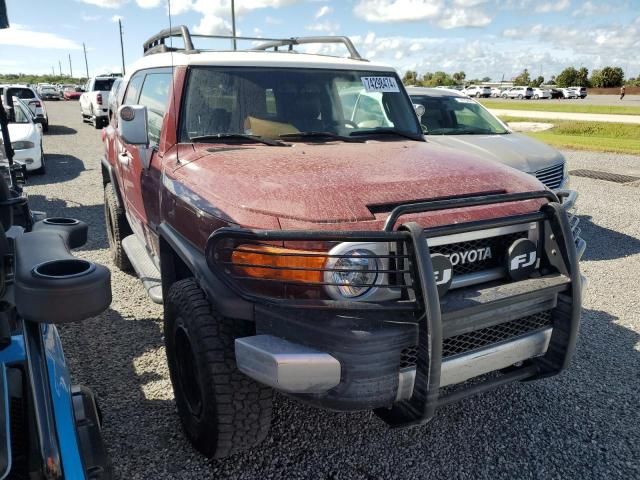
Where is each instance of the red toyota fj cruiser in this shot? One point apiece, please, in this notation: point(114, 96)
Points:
point(302, 239)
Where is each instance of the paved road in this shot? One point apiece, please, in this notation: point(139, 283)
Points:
point(584, 424)
point(591, 117)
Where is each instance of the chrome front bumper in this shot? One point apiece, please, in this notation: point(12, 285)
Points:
point(294, 368)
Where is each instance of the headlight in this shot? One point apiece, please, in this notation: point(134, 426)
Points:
point(22, 145)
point(360, 271)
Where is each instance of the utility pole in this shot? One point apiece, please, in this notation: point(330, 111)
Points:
point(233, 23)
point(70, 67)
point(60, 67)
point(86, 64)
point(121, 46)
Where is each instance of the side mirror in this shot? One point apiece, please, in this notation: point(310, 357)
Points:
point(132, 124)
point(419, 108)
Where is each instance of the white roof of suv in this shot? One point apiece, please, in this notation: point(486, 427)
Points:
point(256, 58)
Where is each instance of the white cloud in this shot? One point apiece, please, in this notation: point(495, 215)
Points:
point(115, 18)
point(324, 10)
point(556, 6)
point(459, 17)
point(326, 26)
point(106, 3)
point(380, 11)
point(20, 36)
point(453, 14)
point(212, 25)
point(269, 20)
point(90, 18)
point(150, 3)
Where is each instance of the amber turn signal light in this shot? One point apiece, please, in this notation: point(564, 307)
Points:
point(276, 263)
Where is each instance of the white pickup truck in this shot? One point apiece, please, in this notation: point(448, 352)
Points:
point(94, 101)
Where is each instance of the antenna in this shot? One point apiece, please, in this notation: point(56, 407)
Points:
point(173, 77)
point(86, 64)
point(233, 24)
point(121, 45)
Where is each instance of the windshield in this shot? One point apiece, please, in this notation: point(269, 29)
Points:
point(103, 84)
point(456, 116)
point(282, 101)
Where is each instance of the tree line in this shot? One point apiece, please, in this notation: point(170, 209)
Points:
point(569, 77)
point(22, 78)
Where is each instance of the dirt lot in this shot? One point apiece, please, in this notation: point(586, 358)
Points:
point(582, 424)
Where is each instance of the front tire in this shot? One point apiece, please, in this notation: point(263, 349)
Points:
point(43, 169)
point(222, 411)
point(117, 229)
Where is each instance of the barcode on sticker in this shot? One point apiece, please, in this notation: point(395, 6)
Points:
point(380, 84)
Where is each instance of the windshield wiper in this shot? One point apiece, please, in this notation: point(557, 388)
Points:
point(320, 135)
point(238, 136)
point(387, 131)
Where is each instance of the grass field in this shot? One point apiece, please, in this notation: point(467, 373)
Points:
point(560, 106)
point(595, 136)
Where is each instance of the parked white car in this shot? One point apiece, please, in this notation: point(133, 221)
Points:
point(95, 99)
point(477, 91)
point(568, 93)
point(581, 92)
point(539, 93)
point(518, 92)
point(496, 92)
point(26, 138)
point(31, 98)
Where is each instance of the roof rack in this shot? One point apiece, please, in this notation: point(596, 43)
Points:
point(157, 43)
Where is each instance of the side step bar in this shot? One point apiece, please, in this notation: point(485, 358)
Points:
point(144, 267)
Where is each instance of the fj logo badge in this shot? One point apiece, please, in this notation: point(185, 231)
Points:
point(522, 257)
point(442, 271)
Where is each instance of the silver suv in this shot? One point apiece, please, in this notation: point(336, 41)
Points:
point(518, 92)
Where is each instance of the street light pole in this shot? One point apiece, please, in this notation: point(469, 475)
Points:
point(70, 67)
point(121, 46)
point(60, 67)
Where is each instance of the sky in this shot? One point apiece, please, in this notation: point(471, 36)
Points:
point(492, 38)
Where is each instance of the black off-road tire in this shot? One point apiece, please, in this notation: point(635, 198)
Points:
point(222, 410)
point(43, 168)
point(117, 229)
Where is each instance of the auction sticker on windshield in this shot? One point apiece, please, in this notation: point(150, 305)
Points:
point(380, 84)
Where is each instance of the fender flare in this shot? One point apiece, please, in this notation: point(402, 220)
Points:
point(223, 300)
point(114, 180)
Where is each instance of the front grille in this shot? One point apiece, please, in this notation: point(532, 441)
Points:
point(468, 342)
point(551, 176)
point(497, 245)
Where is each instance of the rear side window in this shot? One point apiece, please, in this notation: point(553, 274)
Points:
point(21, 93)
point(154, 96)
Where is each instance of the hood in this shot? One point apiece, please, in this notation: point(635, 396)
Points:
point(338, 182)
point(513, 149)
point(20, 131)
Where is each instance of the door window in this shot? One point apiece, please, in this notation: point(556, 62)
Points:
point(154, 96)
point(133, 89)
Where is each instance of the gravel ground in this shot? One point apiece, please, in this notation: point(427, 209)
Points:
point(584, 423)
